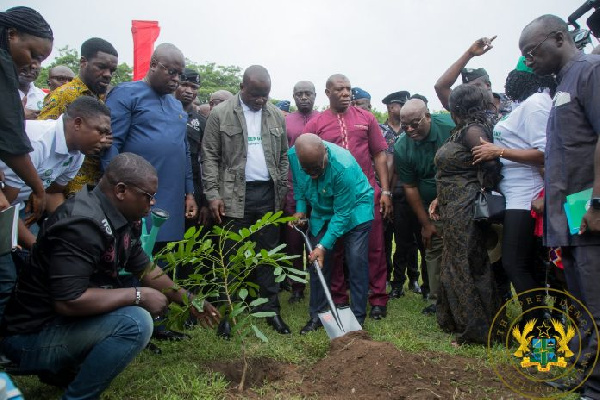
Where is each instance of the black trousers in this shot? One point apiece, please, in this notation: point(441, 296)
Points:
point(582, 273)
point(519, 250)
point(260, 199)
point(406, 231)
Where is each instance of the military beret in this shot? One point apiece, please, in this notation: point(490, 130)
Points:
point(191, 76)
point(396, 97)
point(470, 74)
point(358, 93)
point(283, 105)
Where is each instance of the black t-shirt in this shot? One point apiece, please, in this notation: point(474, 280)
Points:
point(195, 130)
point(82, 245)
point(13, 139)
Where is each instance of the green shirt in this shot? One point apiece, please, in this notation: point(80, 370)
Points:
point(414, 160)
point(341, 195)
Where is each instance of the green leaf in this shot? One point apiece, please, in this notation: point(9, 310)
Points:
point(276, 249)
point(243, 293)
point(277, 271)
point(263, 314)
point(245, 232)
point(280, 278)
point(296, 278)
point(258, 302)
point(259, 334)
point(296, 271)
point(189, 233)
point(237, 310)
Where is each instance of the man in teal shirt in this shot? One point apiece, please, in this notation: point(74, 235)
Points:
point(328, 178)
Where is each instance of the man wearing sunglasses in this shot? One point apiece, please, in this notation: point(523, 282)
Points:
point(572, 164)
point(58, 76)
point(81, 325)
point(414, 151)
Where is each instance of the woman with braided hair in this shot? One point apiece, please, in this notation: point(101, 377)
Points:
point(467, 297)
point(25, 41)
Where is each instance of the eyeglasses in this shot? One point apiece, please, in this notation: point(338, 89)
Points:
point(173, 72)
point(315, 170)
point(150, 197)
point(529, 55)
point(413, 125)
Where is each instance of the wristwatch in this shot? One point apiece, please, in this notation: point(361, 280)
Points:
point(320, 246)
point(138, 296)
point(595, 203)
point(386, 193)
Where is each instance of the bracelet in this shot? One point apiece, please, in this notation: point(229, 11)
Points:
point(138, 296)
point(501, 153)
point(320, 246)
point(386, 193)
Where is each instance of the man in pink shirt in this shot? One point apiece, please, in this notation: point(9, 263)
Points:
point(304, 97)
point(357, 130)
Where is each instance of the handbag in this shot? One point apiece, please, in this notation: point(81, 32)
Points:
point(489, 206)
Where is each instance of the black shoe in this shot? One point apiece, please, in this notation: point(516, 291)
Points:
point(342, 305)
point(378, 312)
point(154, 349)
point(224, 329)
point(169, 335)
point(396, 293)
point(425, 293)
point(414, 286)
point(296, 297)
point(278, 325)
point(429, 310)
point(312, 325)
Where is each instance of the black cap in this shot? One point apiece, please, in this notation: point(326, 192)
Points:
point(191, 76)
point(470, 74)
point(396, 97)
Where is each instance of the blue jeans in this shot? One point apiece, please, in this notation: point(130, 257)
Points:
point(356, 243)
point(100, 347)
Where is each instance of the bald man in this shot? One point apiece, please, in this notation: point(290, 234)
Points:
point(58, 76)
point(357, 130)
point(244, 172)
point(147, 120)
point(343, 210)
point(218, 97)
point(413, 157)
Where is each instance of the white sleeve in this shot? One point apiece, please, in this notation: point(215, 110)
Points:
point(68, 174)
point(535, 127)
point(12, 179)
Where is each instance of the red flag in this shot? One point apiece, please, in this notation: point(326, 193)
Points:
point(144, 36)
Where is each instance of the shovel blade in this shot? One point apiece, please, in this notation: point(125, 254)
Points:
point(348, 322)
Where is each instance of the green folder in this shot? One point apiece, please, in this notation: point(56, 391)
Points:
point(576, 206)
point(9, 225)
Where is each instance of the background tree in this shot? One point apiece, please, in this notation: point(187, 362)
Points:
point(214, 77)
point(70, 57)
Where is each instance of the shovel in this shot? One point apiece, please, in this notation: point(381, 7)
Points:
point(337, 321)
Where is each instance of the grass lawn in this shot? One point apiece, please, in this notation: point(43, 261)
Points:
point(179, 373)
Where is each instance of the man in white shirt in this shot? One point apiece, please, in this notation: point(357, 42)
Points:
point(244, 173)
point(59, 147)
point(32, 97)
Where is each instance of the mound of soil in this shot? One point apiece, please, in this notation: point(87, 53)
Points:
point(359, 368)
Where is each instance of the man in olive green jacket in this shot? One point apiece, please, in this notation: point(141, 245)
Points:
point(245, 170)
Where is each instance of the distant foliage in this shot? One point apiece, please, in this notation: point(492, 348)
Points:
point(215, 77)
point(70, 57)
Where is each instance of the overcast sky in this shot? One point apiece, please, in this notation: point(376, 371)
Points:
point(381, 45)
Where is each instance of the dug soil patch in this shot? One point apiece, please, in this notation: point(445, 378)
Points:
point(357, 367)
